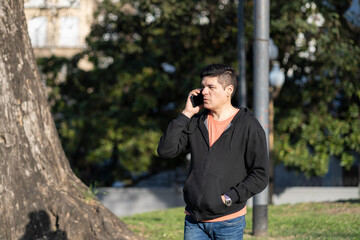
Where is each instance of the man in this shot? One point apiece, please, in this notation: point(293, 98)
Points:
point(229, 159)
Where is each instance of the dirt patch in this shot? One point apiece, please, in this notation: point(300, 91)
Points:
point(340, 208)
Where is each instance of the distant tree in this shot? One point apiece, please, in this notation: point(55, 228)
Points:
point(40, 196)
point(318, 110)
point(147, 56)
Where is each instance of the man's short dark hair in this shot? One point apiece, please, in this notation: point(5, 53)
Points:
point(225, 73)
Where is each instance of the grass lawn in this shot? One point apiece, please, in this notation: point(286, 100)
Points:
point(335, 220)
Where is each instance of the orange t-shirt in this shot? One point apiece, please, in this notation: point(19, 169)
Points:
point(216, 128)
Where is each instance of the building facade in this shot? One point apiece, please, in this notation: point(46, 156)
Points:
point(59, 27)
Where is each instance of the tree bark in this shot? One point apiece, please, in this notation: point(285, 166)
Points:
point(41, 198)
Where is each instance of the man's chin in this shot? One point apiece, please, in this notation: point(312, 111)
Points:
point(207, 106)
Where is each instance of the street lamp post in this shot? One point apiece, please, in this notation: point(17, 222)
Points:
point(261, 101)
point(241, 56)
point(276, 80)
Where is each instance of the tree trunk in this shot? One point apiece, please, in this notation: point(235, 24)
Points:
point(40, 196)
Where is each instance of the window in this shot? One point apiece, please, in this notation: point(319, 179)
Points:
point(37, 31)
point(69, 32)
point(68, 3)
point(34, 3)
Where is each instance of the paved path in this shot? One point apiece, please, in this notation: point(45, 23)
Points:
point(129, 201)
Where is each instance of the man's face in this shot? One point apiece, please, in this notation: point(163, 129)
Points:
point(215, 96)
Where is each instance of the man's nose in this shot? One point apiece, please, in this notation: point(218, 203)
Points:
point(205, 91)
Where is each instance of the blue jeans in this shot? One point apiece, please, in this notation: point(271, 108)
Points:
point(226, 230)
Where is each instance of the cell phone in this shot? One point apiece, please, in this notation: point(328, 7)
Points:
point(197, 100)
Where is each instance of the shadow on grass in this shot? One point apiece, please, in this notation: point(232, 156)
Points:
point(349, 201)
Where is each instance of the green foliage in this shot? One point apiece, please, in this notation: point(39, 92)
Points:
point(110, 118)
point(318, 108)
point(89, 194)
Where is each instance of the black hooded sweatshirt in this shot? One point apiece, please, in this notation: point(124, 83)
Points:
point(235, 165)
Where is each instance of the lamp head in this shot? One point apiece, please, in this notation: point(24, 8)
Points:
point(276, 75)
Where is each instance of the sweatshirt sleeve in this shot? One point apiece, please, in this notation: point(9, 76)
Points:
point(256, 161)
point(175, 139)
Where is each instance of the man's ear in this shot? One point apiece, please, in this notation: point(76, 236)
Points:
point(229, 90)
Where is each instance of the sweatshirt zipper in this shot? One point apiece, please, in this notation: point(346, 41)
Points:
point(203, 183)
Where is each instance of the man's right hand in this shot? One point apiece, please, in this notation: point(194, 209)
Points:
point(189, 110)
